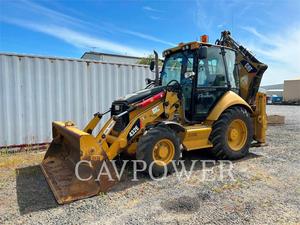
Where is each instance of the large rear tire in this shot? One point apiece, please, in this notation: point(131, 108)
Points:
point(232, 134)
point(159, 147)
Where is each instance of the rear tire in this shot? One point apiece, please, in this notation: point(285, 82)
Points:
point(232, 134)
point(159, 145)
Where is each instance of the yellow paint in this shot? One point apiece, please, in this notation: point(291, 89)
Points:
point(92, 124)
point(146, 117)
point(77, 140)
point(132, 148)
point(163, 152)
point(237, 134)
point(260, 118)
point(229, 99)
point(73, 129)
point(197, 137)
point(191, 45)
point(171, 99)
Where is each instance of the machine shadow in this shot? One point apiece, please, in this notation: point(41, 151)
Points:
point(205, 154)
point(33, 192)
point(200, 155)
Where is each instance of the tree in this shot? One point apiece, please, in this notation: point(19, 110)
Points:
point(147, 60)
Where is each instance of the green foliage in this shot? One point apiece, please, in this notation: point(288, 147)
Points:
point(147, 60)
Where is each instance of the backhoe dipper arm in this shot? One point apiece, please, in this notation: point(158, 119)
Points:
point(249, 68)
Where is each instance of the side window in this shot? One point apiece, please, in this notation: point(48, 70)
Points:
point(211, 71)
point(187, 82)
point(232, 73)
point(188, 67)
point(175, 66)
point(172, 69)
point(212, 66)
point(202, 75)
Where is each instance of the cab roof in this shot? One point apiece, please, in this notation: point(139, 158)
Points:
point(190, 45)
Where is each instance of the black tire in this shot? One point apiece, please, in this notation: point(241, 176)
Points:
point(219, 136)
point(146, 146)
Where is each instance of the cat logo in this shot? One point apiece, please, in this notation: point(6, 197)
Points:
point(250, 68)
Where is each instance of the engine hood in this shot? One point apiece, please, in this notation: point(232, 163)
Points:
point(140, 95)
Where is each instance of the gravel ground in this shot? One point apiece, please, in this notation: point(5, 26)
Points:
point(266, 190)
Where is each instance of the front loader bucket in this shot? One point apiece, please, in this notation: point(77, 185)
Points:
point(69, 146)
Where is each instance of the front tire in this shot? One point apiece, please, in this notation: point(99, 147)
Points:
point(232, 134)
point(159, 147)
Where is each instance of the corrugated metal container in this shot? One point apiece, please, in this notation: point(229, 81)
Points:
point(113, 58)
point(34, 91)
point(291, 90)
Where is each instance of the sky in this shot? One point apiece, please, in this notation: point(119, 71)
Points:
point(68, 28)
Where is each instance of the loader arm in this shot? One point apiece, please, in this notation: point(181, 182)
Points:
point(142, 116)
point(71, 146)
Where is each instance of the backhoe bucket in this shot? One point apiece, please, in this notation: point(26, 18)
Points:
point(72, 163)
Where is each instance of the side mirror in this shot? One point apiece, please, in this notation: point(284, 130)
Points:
point(202, 52)
point(152, 65)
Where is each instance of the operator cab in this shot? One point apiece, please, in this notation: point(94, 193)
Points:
point(205, 72)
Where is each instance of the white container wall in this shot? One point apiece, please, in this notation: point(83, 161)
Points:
point(291, 91)
point(34, 91)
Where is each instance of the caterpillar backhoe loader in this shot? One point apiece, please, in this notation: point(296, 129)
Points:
point(205, 96)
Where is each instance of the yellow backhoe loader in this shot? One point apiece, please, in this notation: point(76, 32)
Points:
point(205, 96)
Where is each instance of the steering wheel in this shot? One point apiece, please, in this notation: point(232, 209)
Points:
point(176, 87)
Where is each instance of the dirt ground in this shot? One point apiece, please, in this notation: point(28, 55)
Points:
point(265, 189)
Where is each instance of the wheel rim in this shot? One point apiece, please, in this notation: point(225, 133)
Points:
point(237, 134)
point(163, 152)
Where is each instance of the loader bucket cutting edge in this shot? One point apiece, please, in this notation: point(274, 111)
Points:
point(69, 146)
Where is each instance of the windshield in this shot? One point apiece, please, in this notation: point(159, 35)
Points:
point(210, 72)
point(175, 65)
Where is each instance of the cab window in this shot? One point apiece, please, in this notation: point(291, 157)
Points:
point(232, 72)
point(175, 66)
point(172, 69)
point(211, 71)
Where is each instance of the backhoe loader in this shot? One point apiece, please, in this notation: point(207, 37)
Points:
point(205, 97)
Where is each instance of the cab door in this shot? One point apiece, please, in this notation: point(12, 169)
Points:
point(187, 83)
point(176, 66)
point(210, 83)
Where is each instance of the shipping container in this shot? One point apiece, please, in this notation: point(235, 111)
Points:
point(113, 58)
point(35, 90)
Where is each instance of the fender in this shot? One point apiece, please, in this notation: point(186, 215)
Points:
point(229, 99)
point(177, 127)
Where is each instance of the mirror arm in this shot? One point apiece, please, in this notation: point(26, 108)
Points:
point(156, 69)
